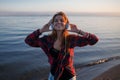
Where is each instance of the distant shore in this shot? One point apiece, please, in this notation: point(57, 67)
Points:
point(10, 13)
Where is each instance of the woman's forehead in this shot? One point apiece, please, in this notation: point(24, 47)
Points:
point(59, 17)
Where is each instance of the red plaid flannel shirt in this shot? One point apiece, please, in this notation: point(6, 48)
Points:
point(46, 42)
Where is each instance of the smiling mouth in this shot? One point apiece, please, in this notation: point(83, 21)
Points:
point(58, 25)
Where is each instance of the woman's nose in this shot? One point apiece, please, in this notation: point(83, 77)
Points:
point(59, 21)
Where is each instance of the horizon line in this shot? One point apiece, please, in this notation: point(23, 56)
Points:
point(48, 13)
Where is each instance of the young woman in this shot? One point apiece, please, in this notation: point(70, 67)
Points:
point(59, 45)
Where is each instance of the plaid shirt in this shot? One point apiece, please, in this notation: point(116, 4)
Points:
point(46, 43)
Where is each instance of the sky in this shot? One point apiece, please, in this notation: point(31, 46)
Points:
point(89, 6)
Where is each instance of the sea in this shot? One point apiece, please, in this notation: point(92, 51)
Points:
point(17, 58)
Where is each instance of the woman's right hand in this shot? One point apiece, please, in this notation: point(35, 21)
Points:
point(45, 28)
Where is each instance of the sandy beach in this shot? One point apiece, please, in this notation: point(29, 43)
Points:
point(100, 71)
point(111, 74)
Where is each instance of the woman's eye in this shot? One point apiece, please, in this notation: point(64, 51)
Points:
point(56, 20)
point(59, 20)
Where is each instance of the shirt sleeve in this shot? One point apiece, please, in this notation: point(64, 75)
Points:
point(43, 42)
point(34, 40)
point(88, 39)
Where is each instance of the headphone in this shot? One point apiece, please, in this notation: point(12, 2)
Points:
point(67, 26)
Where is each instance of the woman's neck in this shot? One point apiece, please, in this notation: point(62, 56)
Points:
point(59, 34)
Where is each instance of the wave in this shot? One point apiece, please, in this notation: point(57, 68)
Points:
point(96, 62)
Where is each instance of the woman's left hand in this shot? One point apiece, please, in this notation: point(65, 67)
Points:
point(74, 28)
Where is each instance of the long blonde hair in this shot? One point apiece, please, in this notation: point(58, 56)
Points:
point(65, 37)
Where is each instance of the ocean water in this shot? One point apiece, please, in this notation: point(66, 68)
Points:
point(17, 58)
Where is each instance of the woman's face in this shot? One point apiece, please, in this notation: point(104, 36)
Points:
point(59, 22)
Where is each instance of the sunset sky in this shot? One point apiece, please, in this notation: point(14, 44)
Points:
point(89, 6)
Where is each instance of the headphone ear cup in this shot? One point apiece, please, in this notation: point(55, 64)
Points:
point(51, 27)
point(67, 25)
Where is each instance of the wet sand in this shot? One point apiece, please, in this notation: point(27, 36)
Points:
point(91, 73)
point(111, 74)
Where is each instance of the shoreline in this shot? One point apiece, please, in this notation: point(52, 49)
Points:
point(99, 61)
point(111, 74)
point(92, 72)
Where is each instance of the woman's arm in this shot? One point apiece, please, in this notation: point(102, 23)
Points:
point(33, 38)
point(83, 39)
point(87, 39)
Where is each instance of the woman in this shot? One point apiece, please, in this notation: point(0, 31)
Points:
point(59, 45)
